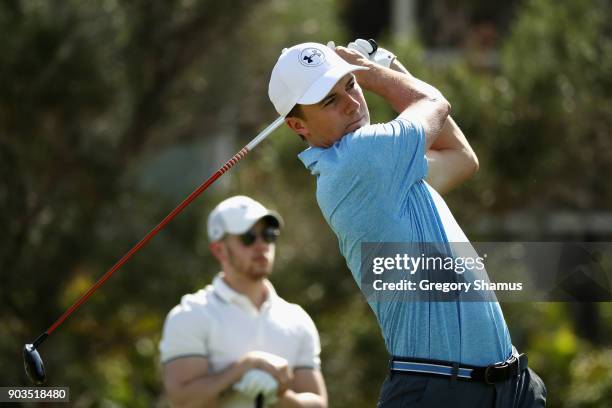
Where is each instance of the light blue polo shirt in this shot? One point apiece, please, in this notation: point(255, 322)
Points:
point(371, 188)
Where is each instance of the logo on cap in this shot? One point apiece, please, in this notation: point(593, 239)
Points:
point(312, 57)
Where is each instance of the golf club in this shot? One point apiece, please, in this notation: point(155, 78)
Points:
point(32, 361)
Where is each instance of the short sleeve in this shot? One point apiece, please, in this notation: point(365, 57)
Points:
point(392, 154)
point(309, 353)
point(184, 334)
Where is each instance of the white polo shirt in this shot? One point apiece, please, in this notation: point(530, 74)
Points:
point(222, 325)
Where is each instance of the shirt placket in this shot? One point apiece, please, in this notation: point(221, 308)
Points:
point(261, 319)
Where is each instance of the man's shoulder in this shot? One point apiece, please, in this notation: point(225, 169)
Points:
point(194, 303)
point(391, 127)
point(360, 140)
point(292, 312)
point(353, 147)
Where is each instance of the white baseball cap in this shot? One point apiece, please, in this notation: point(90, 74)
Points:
point(236, 215)
point(305, 74)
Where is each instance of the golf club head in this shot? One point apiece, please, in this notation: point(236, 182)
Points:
point(33, 365)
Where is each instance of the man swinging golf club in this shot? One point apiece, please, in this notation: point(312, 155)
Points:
point(236, 341)
point(381, 183)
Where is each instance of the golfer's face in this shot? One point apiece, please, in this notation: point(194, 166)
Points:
point(254, 261)
point(342, 111)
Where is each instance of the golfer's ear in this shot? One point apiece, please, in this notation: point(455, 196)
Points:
point(298, 126)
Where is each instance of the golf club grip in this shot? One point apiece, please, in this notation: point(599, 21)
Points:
point(228, 165)
point(259, 401)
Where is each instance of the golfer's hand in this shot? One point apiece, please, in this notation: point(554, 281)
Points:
point(356, 58)
point(370, 50)
point(274, 365)
point(349, 55)
point(255, 382)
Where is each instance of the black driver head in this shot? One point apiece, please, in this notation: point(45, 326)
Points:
point(374, 45)
point(33, 364)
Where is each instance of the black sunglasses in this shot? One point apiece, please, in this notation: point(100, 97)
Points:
point(268, 234)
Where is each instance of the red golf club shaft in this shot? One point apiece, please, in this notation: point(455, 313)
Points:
point(229, 164)
point(148, 237)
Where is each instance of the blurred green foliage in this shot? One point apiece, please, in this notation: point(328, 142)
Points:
point(92, 94)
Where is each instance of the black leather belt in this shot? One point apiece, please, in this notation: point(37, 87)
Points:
point(491, 374)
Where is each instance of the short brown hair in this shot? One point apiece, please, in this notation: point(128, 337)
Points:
point(296, 112)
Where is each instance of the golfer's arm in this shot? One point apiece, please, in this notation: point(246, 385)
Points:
point(450, 157)
point(307, 391)
point(189, 384)
point(409, 96)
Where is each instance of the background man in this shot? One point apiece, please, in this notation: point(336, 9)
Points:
point(236, 338)
point(381, 183)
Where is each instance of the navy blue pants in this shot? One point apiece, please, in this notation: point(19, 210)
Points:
point(408, 390)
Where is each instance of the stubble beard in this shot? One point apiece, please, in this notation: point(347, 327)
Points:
point(250, 271)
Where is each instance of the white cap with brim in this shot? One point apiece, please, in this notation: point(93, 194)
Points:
point(237, 215)
point(305, 74)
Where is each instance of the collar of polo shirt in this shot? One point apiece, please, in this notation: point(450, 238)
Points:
point(229, 295)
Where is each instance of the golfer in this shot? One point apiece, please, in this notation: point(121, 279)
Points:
point(381, 183)
point(236, 341)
